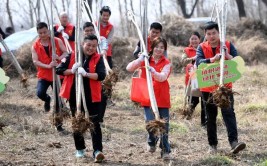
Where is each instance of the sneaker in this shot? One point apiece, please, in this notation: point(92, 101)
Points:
point(99, 156)
point(237, 147)
point(47, 104)
point(151, 149)
point(79, 153)
point(212, 149)
point(60, 128)
point(166, 156)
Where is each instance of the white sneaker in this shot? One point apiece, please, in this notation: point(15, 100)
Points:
point(151, 149)
point(166, 156)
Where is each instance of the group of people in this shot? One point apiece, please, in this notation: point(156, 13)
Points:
point(93, 72)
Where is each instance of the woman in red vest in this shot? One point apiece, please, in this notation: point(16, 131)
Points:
point(93, 71)
point(107, 31)
point(209, 52)
point(160, 68)
point(42, 59)
point(188, 61)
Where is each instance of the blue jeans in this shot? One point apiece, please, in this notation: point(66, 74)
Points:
point(41, 91)
point(152, 140)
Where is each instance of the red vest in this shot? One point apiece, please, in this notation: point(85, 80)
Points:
point(43, 73)
point(95, 85)
point(0, 52)
point(161, 89)
point(190, 52)
point(68, 30)
point(207, 50)
point(104, 31)
point(68, 80)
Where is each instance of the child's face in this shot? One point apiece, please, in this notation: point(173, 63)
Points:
point(89, 31)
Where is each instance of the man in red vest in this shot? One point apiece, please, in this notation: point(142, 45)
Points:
point(107, 31)
point(93, 71)
point(65, 30)
point(42, 59)
point(154, 32)
point(2, 35)
point(209, 52)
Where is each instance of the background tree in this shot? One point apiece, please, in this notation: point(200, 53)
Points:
point(241, 8)
point(183, 8)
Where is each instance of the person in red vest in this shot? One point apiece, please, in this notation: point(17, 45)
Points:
point(2, 35)
point(93, 71)
point(107, 31)
point(65, 30)
point(42, 59)
point(154, 32)
point(188, 61)
point(209, 52)
point(160, 68)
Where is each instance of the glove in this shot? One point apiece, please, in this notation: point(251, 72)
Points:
point(152, 70)
point(75, 67)
point(60, 29)
point(141, 58)
point(82, 71)
point(66, 36)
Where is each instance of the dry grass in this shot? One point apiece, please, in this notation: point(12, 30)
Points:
point(30, 139)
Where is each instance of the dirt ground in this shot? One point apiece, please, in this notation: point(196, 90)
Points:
point(30, 139)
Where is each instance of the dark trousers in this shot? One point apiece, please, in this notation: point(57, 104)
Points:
point(1, 62)
point(95, 116)
point(41, 92)
point(194, 102)
point(72, 100)
point(110, 63)
point(228, 117)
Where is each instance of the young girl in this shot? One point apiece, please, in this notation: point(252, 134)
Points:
point(160, 69)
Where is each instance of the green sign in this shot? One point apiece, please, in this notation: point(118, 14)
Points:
point(209, 74)
point(3, 80)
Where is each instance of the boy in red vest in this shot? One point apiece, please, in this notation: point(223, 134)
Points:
point(42, 59)
point(107, 31)
point(154, 32)
point(93, 72)
point(209, 52)
point(65, 30)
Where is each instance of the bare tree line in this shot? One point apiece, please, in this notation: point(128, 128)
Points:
point(32, 11)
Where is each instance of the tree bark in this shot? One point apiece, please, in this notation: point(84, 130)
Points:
point(31, 13)
point(160, 8)
point(182, 4)
point(241, 8)
point(122, 19)
point(9, 14)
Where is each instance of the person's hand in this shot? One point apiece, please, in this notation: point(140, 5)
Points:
point(152, 70)
point(66, 36)
point(52, 64)
point(141, 57)
point(60, 29)
point(215, 58)
point(75, 67)
point(82, 71)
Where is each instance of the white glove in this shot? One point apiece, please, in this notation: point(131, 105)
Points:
point(66, 36)
point(152, 70)
point(60, 29)
point(141, 58)
point(75, 67)
point(82, 71)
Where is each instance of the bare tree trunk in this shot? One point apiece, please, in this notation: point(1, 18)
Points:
point(31, 13)
point(122, 19)
point(90, 3)
point(129, 28)
point(9, 14)
point(241, 8)
point(55, 6)
point(63, 5)
point(38, 8)
point(160, 8)
point(182, 4)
